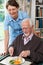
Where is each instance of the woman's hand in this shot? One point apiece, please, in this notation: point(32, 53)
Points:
point(11, 51)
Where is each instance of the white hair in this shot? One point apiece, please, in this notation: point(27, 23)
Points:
point(27, 20)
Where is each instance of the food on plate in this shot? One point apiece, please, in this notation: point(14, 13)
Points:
point(16, 61)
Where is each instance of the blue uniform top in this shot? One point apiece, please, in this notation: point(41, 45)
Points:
point(14, 25)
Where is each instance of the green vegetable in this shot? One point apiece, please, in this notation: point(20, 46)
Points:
point(11, 61)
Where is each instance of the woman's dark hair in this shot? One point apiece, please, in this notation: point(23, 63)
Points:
point(12, 3)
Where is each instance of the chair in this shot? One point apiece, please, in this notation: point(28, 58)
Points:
point(42, 62)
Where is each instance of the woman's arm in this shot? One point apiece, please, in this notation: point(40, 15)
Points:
point(6, 41)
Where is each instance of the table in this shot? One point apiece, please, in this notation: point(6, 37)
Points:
point(6, 61)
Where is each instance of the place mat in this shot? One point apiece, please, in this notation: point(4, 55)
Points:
point(2, 64)
point(3, 57)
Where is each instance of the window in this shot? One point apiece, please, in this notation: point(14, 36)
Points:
point(2, 15)
point(25, 5)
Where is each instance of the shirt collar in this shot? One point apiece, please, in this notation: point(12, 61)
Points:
point(19, 16)
point(29, 37)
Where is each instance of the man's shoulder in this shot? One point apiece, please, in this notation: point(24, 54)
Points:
point(36, 37)
point(20, 35)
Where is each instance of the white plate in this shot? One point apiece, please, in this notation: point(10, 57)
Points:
point(6, 61)
point(18, 58)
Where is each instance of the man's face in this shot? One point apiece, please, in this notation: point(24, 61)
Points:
point(26, 29)
point(13, 11)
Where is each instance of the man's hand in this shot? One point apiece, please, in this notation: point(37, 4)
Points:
point(25, 53)
point(11, 50)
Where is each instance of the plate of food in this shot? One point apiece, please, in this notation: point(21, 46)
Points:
point(16, 61)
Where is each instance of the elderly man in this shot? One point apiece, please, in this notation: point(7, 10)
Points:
point(27, 45)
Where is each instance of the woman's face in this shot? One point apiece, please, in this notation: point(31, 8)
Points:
point(13, 11)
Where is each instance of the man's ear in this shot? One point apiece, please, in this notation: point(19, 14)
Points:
point(33, 29)
point(32, 26)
